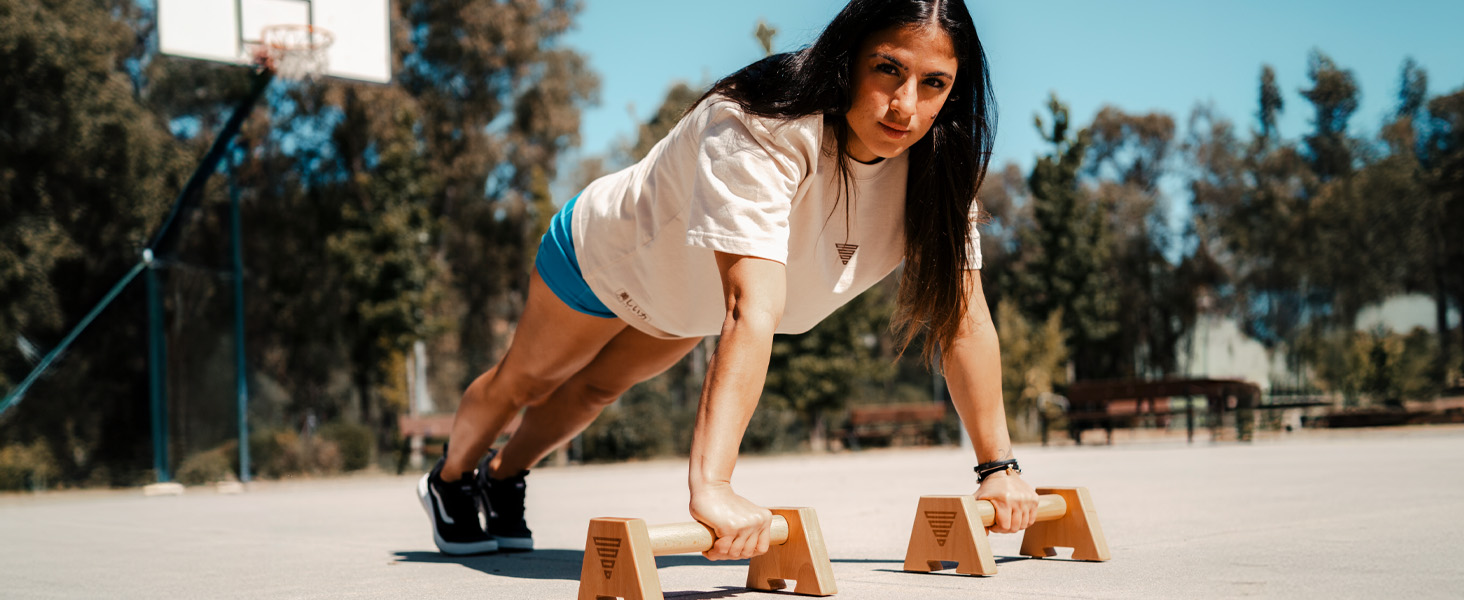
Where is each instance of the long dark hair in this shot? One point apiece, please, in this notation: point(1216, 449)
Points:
point(946, 166)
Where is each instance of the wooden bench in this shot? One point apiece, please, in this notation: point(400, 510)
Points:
point(1113, 404)
point(895, 423)
point(421, 435)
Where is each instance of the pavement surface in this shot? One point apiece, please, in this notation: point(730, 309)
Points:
point(1314, 514)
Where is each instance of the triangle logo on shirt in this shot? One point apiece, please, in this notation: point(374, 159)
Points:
point(846, 252)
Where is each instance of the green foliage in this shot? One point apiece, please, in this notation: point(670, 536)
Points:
point(85, 175)
point(498, 111)
point(1068, 250)
point(817, 374)
point(277, 453)
point(644, 423)
point(1033, 361)
point(210, 466)
point(353, 440)
point(27, 467)
point(1376, 368)
point(1334, 96)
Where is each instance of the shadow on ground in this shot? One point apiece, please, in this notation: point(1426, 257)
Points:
point(563, 564)
point(948, 566)
point(553, 563)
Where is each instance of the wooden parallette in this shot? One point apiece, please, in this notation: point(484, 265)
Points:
point(620, 556)
point(953, 528)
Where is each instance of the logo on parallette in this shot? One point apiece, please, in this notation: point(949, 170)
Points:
point(630, 304)
point(607, 548)
point(940, 524)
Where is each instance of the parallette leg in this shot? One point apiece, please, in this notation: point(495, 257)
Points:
point(1077, 529)
point(618, 562)
point(948, 528)
point(803, 558)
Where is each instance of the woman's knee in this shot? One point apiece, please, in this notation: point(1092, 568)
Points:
point(598, 393)
point(519, 388)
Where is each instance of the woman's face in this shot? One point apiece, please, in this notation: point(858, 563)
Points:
point(902, 76)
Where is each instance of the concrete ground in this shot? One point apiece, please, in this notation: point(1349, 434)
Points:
point(1352, 514)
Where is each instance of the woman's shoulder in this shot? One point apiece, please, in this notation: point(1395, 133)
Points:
point(718, 107)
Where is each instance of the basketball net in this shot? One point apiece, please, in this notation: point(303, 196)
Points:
point(297, 52)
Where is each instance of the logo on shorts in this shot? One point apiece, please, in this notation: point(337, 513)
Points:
point(846, 252)
point(631, 305)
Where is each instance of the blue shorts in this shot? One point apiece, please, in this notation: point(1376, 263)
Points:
point(559, 268)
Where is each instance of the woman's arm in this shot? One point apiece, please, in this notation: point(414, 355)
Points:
point(755, 290)
point(972, 364)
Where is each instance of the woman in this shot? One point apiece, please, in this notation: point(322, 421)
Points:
point(791, 187)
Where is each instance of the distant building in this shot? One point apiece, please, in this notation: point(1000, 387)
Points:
point(1404, 313)
point(1217, 348)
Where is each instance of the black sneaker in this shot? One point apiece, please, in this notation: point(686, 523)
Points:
point(453, 509)
point(504, 503)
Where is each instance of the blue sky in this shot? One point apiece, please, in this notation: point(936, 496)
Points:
point(1139, 55)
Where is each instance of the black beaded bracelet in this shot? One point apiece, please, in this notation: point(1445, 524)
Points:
point(985, 470)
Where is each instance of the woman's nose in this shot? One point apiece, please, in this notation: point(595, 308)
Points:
point(903, 101)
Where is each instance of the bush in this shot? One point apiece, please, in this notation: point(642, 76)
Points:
point(628, 430)
point(29, 467)
point(774, 427)
point(217, 464)
point(353, 440)
point(282, 452)
point(1377, 368)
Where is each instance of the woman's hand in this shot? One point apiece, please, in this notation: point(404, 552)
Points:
point(743, 529)
point(1014, 499)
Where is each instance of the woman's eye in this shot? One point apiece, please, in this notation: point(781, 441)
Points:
point(887, 69)
point(938, 84)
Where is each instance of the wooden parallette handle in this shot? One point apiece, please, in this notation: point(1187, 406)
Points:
point(683, 538)
point(1049, 507)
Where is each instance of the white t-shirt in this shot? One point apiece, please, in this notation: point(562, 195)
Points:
point(724, 180)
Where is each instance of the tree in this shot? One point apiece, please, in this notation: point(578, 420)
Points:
point(845, 356)
point(73, 139)
point(1128, 156)
point(499, 101)
point(1065, 265)
point(380, 248)
point(1444, 177)
point(1334, 97)
point(1033, 361)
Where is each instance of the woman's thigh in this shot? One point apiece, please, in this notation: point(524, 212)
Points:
point(551, 344)
point(630, 358)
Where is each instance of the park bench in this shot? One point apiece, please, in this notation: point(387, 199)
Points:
point(1128, 403)
point(895, 424)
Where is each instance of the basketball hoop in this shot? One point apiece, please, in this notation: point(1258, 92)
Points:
point(296, 52)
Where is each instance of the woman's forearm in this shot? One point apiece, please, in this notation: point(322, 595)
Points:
point(972, 365)
point(734, 383)
point(754, 291)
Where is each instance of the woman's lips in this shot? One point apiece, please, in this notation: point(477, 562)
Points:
point(894, 132)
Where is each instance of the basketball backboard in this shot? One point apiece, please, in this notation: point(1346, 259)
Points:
point(228, 31)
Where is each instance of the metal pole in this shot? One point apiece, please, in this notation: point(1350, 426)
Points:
point(241, 373)
point(16, 395)
point(157, 353)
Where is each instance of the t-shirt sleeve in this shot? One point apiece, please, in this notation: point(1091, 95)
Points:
point(748, 172)
point(973, 244)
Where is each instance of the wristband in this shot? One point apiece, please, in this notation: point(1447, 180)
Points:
point(985, 470)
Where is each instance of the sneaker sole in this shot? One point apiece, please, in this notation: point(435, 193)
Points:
point(457, 548)
point(514, 544)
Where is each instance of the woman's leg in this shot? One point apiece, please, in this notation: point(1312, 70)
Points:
point(551, 344)
point(630, 358)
